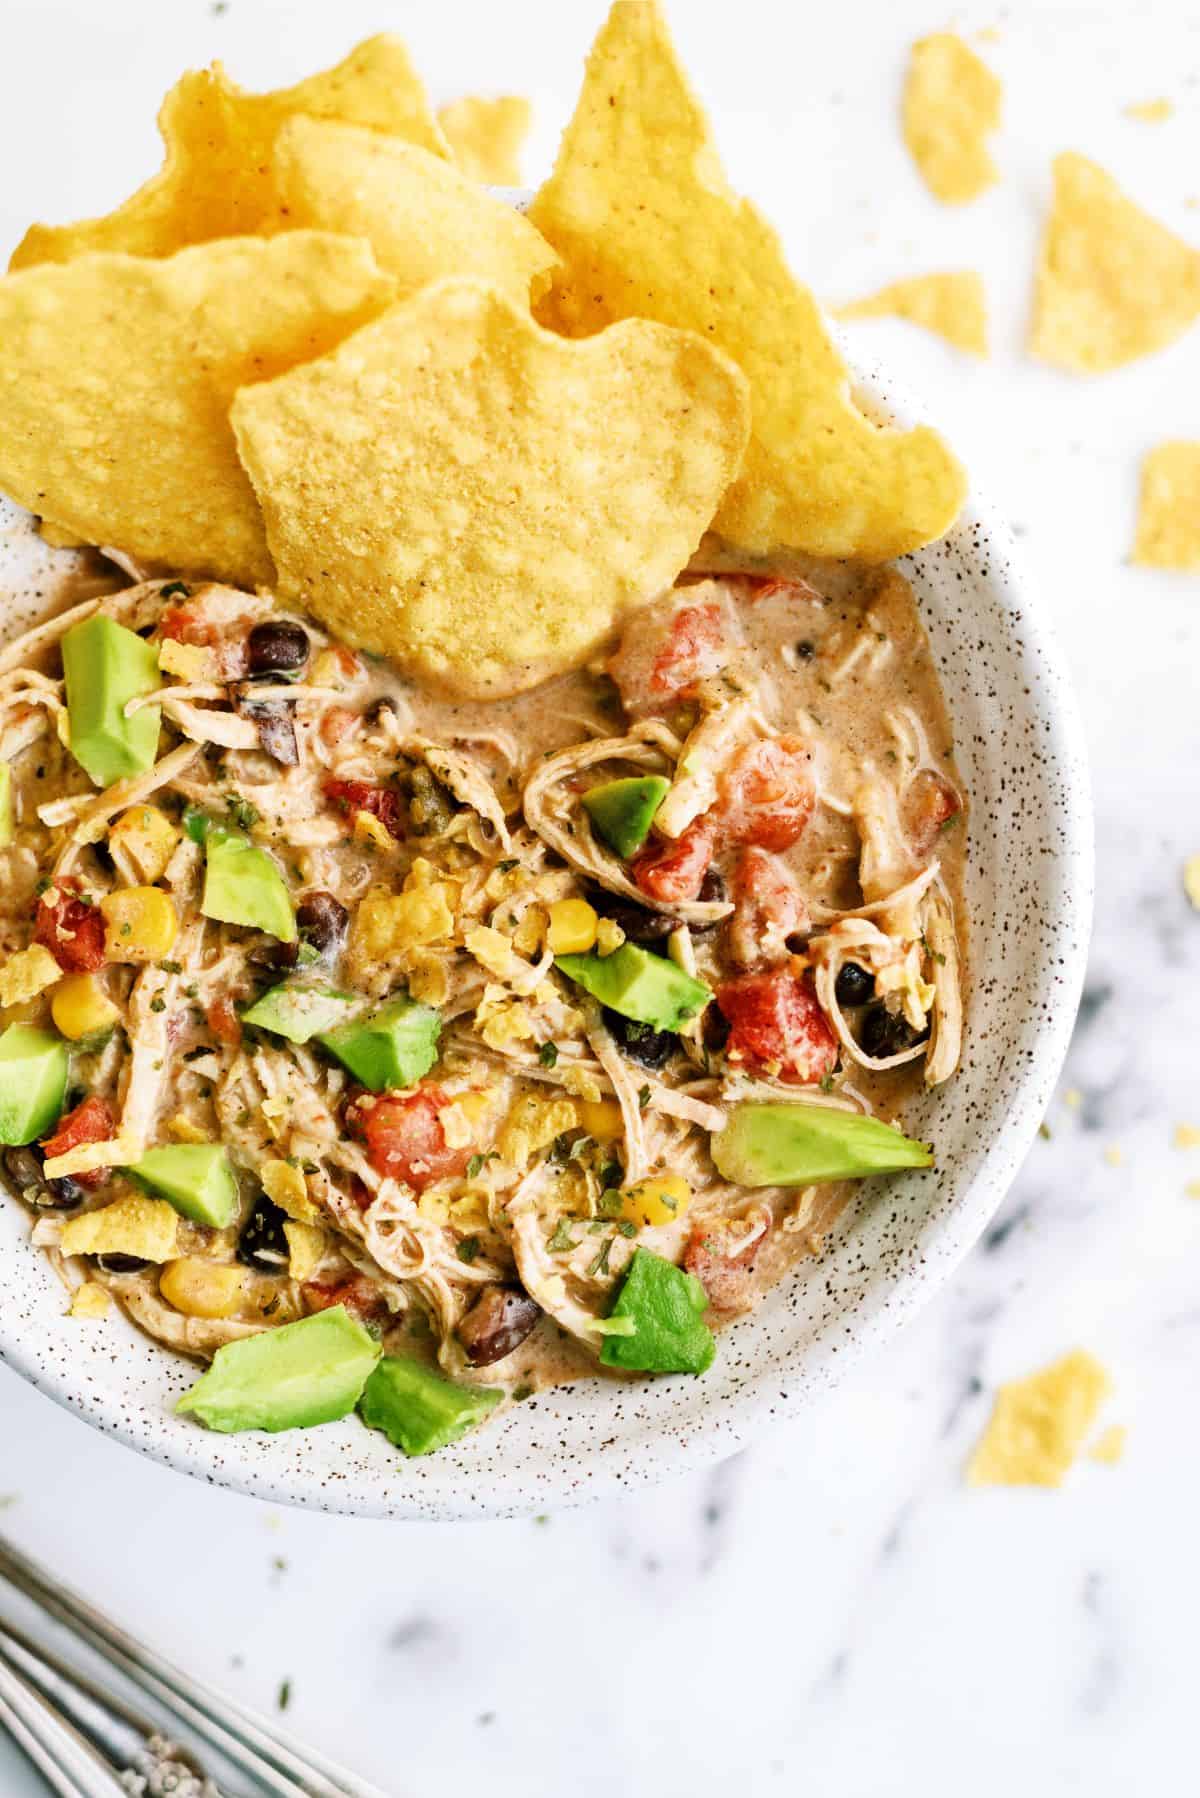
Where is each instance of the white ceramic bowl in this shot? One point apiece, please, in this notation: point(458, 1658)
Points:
point(1029, 892)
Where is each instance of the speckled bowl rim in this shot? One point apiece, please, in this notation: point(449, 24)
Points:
point(464, 1482)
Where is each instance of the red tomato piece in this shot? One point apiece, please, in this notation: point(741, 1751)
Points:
point(92, 1120)
point(776, 1024)
point(404, 1136)
point(929, 804)
point(362, 796)
point(667, 648)
point(768, 793)
point(768, 907)
point(360, 1297)
point(336, 721)
point(724, 1265)
point(224, 1022)
point(70, 928)
point(187, 624)
point(671, 871)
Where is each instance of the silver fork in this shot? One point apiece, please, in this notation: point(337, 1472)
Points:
point(88, 1741)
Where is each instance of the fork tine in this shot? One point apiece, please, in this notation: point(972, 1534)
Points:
point(60, 1754)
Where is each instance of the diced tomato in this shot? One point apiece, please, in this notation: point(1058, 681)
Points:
point(929, 804)
point(187, 624)
point(668, 647)
point(404, 1136)
point(768, 907)
point(91, 1121)
point(767, 793)
point(671, 871)
point(224, 1022)
point(723, 1262)
point(360, 1297)
point(362, 796)
point(777, 1026)
point(335, 722)
point(70, 928)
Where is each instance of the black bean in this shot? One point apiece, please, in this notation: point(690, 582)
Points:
point(712, 892)
point(885, 1033)
point(262, 1243)
point(276, 732)
point(497, 1323)
point(641, 1042)
point(121, 1264)
point(276, 647)
point(24, 1168)
point(322, 922)
point(639, 924)
point(854, 986)
point(806, 650)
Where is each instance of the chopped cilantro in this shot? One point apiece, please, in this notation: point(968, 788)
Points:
point(826, 1083)
point(600, 1264)
point(611, 1174)
point(562, 1238)
point(468, 1249)
point(506, 867)
point(244, 815)
point(158, 1004)
point(609, 1202)
point(175, 589)
point(171, 967)
point(474, 1169)
point(548, 1054)
point(626, 1227)
point(949, 823)
point(643, 1098)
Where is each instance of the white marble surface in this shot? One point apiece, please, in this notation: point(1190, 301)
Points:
point(833, 1611)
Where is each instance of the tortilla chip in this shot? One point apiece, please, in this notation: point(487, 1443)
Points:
point(307, 1247)
point(1038, 1425)
point(647, 226)
point(952, 306)
point(486, 136)
point(1168, 524)
point(459, 489)
point(423, 219)
point(133, 1225)
point(1112, 283)
point(216, 179)
point(1191, 880)
point(116, 375)
point(90, 1300)
point(951, 103)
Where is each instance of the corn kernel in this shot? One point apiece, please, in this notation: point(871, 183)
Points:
point(140, 924)
point(201, 1288)
point(80, 1007)
point(572, 927)
point(658, 1200)
point(145, 838)
point(601, 1119)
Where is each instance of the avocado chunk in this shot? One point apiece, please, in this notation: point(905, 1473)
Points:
point(7, 821)
point(393, 1046)
point(105, 667)
point(622, 811)
point(648, 988)
point(242, 885)
point(197, 1179)
point(666, 1307)
point(420, 1411)
point(287, 1379)
point(297, 1012)
point(796, 1145)
point(33, 1082)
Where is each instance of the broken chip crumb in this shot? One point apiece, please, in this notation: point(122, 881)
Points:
point(952, 306)
point(1186, 1136)
point(952, 103)
point(1109, 1446)
point(1192, 1189)
point(1112, 1154)
point(486, 136)
point(1112, 283)
point(90, 1300)
point(1038, 1424)
point(1168, 522)
point(1072, 1098)
point(1150, 112)
point(1191, 879)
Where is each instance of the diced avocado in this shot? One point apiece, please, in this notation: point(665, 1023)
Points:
point(105, 667)
point(666, 1307)
point(418, 1410)
point(648, 988)
point(197, 1179)
point(7, 822)
point(623, 810)
point(33, 1082)
point(297, 1012)
point(291, 1378)
point(242, 885)
point(393, 1046)
point(796, 1145)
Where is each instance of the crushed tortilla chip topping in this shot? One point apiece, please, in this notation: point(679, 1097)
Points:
point(1112, 283)
point(952, 103)
point(90, 1300)
point(1187, 1136)
point(486, 136)
point(953, 306)
point(306, 1249)
point(26, 973)
point(1168, 524)
point(133, 1225)
point(1191, 880)
point(647, 225)
point(1109, 1446)
point(1039, 1424)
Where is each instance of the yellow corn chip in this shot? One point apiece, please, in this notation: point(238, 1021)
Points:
point(952, 306)
point(134, 1225)
point(647, 226)
point(464, 491)
point(951, 104)
point(486, 136)
point(1112, 283)
point(116, 375)
point(217, 178)
point(423, 219)
point(1038, 1425)
point(307, 1244)
point(1168, 525)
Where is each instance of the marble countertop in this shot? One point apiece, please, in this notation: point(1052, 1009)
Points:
point(834, 1610)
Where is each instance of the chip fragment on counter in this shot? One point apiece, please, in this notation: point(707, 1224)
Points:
point(486, 136)
point(116, 376)
point(952, 104)
point(1112, 283)
point(1038, 1425)
point(952, 306)
point(424, 219)
point(216, 179)
point(639, 209)
point(459, 489)
point(1168, 523)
